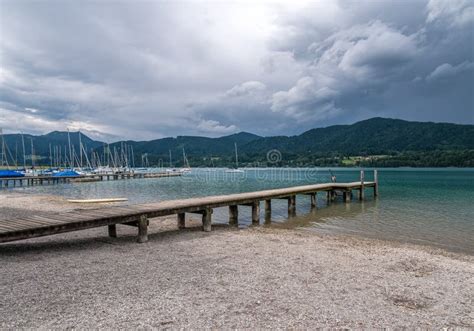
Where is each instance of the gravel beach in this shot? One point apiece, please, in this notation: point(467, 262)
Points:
point(261, 277)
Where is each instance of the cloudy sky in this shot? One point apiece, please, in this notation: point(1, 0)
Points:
point(149, 69)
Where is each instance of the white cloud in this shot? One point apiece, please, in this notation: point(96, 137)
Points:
point(347, 62)
point(455, 13)
point(26, 122)
point(446, 70)
point(214, 127)
point(305, 100)
point(377, 48)
point(246, 89)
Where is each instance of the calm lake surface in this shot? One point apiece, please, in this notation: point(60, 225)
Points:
point(425, 206)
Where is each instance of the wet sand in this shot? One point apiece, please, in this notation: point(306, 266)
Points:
point(262, 277)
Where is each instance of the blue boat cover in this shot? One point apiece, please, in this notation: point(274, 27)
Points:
point(66, 173)
point(10, 173)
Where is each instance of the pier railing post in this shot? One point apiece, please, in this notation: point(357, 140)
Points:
point(207, 219)
point(292, 206)
point(181, 221)
point(142, 229)
point(346, 195)
point(113, 231)
point(268, 211)
point(361, 192)
point(376, 183)
point(233, 215)
point(314, 202)
point(256, 213)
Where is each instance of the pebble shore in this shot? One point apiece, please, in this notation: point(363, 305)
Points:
point(261, 277)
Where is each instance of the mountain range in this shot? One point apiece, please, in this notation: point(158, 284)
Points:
point(372, 142)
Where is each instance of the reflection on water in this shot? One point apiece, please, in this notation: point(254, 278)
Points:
point(427, 206)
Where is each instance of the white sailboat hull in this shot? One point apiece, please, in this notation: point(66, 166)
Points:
point(235, 171)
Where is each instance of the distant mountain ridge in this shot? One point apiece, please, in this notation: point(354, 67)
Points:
point(320, 146)
point(375, 136)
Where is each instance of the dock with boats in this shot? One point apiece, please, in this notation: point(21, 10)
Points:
point(47, 179)
point(139, 215)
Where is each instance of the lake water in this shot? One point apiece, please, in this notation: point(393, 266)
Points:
point(425, 206)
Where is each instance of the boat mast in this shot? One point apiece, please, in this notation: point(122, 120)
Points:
point(108, 155)
point(24, 152)
point(50, 157)
point(71, 160)
point(4, 156)
point(32, 154)
point(85, 154)
point(171, 164)
point(236, 157)
point(16, 153)
point(80, 149)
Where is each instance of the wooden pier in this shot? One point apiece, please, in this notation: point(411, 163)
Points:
point(49, 180)
point(139, 215)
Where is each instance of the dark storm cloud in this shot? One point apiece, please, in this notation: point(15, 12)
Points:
point(150, 69)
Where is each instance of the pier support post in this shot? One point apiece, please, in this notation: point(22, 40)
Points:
point(268, 211)
point(113, 231)
point(362, 190)
point(346, 195)
point(292, 206)
point(314, 202)
point(256, 213)
point(233, 215)
point(207, 219)
point(376, 183)
point(181, 221)
point(142, 229)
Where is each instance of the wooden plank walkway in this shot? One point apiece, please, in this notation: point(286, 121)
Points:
point(138, 215)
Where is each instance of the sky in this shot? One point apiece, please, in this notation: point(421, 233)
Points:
point(150, 69)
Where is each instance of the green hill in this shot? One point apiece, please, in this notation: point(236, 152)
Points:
point(372, 142)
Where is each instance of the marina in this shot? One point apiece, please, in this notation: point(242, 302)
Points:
point(49, 180)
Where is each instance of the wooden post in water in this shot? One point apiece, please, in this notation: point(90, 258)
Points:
point(207, 219)
point(181, 221)
point(268, 211)
point(113, 231)
point(346, 196)
point(376, 181)
point(233, 215)
point(292, 206)
point(142, 229)
point(314, 202)
point(256, 213)
point(361, 192)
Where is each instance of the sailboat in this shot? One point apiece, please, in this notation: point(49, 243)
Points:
point(171, 169)
point(186, 168)
point(236, 169)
